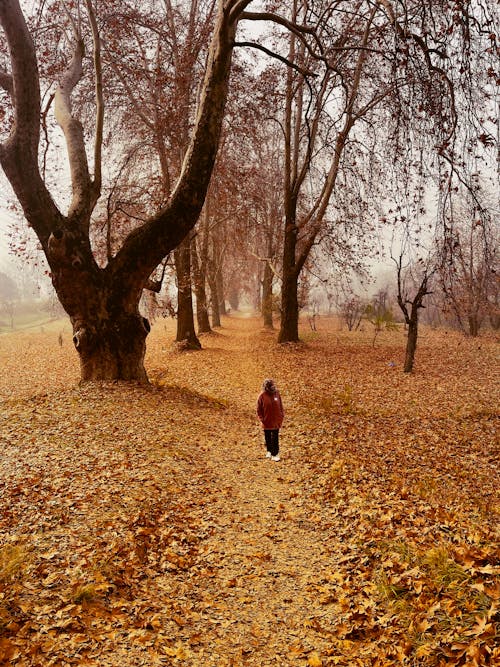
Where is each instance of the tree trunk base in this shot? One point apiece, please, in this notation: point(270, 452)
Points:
point(288, 335)
point(187, 344)
point(112, 350)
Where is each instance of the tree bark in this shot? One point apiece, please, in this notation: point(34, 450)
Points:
point(109, 333)
point(411, 343)
point(289, 327)
point(111, 350)
point(220, 290)
point(214, 296)
point(185, 317)
point(474, 325)
point(199, 279)
point(267, 296)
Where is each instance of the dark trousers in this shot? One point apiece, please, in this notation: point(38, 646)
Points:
point(272, 440)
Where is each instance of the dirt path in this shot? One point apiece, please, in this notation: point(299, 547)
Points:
point(266, 552)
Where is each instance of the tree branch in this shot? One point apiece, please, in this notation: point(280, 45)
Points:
point(146, 246)
point(155, 285)
point(43, 122)
point(73, 132)
point(299, 30)
point(268, 261)
point(435, 69)
point(99, 103)
point(19, 154)
point(273, 54)
point(137, 108)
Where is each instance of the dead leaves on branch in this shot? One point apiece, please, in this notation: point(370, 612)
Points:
point(143, 526)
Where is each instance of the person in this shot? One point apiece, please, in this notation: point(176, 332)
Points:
point(270, 412)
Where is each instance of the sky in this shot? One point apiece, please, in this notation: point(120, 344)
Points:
point(4, 241)
point(5, 217)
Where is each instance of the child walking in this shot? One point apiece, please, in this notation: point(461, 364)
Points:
point(270, 412)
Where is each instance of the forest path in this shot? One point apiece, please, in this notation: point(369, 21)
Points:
point(266, 553)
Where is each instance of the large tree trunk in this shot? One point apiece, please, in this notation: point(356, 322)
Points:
point(109, 333)
point(185, 317)
point(111, 349)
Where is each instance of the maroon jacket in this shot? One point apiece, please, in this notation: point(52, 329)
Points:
point(270, 410)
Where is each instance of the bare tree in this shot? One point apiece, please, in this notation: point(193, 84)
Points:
point(413, 286)
point(352, 310)
point(469, 268)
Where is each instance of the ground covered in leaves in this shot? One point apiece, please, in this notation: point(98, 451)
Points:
point(143, 525)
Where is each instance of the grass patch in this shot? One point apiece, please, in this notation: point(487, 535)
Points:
point(342, 402)
point(85, 593)
point(13, 561)
point(388, 589)
point(445, 606)
point(442, 568)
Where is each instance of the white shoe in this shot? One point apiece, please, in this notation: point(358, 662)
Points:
point(275, 458)
point(268, 455)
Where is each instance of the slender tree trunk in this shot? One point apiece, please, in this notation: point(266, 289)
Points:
point(216, 321)
point(267, 296)
point(220, 291)
point(473, 325)
point(411, 318)
point(257, 300)
point(234, 297)
point(289, 328)
point(214, 295)
point(185, 317)
point(199, 278)
point(411, 343)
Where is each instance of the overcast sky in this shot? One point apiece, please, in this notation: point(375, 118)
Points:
point(4, 242)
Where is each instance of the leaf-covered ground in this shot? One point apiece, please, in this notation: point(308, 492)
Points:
point(143, 526)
